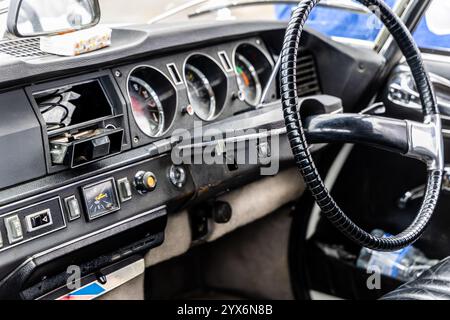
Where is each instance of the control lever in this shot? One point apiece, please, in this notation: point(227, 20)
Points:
point(403, 92)
point(376, 109)
point(419, 191)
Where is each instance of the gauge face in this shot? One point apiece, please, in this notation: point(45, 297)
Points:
point(248, 80)
point(100, 199)
point(146, 106)
point(201, 93)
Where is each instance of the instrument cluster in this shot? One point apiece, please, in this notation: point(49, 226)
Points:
point(209, 85)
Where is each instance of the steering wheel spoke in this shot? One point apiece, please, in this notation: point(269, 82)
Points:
point(383, 133)
point(408, 138)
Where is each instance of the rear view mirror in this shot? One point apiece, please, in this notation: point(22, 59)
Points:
point(30, 18)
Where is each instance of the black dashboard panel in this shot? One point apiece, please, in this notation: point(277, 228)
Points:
point(69, 233)
point(20, 142)
point(131, 185)
point(130, 44)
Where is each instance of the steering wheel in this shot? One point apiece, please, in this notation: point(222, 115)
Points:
point(421, 141)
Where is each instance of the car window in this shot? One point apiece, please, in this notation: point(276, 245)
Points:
point(341, 23)
point(433, 32)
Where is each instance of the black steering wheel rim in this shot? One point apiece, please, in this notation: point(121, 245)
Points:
point(300, 147)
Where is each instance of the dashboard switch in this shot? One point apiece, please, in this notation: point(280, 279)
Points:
point(14, 229)
point(39, 220)
point(177, 176)
point(73, 208)
point(1, 240)
point(145, 182)
point(124, 187)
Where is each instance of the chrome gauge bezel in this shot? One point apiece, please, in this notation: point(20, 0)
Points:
point(157, 99)
point(255, 77)
point(219, 109)
point(259, 47)
point(209, 89)
point(144, 84)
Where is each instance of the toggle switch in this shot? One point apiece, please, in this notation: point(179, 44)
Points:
point(73, 208)
point(39, 220)
point(125, 192)
point(14, 229)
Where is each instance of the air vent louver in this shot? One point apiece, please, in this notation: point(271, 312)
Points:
point(22, 48)
point(307, 78)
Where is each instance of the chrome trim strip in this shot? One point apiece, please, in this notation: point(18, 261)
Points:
point(99, 231)
point(113, 280)
point(223, 56)
point(42, 253)
point(174, 73)
point(436, 57)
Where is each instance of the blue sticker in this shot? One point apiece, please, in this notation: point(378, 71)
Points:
point(91, 290)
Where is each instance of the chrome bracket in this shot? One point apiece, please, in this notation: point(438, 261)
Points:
point(425, 142)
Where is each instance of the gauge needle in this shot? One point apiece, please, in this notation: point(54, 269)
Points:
point(244, 76)
point(101, 196)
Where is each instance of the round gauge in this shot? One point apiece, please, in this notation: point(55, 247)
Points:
point(248, 80)
point(147, 107)
point(201, 93)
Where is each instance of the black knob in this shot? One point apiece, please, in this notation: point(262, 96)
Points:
point(222, 212)
point(145, 182)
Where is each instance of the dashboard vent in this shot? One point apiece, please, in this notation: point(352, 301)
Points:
point(307, 78)
point(22, 48)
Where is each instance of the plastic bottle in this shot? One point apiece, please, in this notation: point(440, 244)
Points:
point(405, 265)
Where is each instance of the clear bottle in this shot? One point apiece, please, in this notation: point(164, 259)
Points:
point(405, 265)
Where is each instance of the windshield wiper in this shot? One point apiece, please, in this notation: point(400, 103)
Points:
point(347, 5)
point(176, 10)
point(338, 4)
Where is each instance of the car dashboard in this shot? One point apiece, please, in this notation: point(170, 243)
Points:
point(87, 167)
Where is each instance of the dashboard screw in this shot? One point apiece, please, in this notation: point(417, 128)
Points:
point(136, 140)
point(361, 67)
point(189, 110)
point(118, 74)
point(258, 42)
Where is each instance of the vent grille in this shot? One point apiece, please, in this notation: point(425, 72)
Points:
point(307, 78)
point(22, 48)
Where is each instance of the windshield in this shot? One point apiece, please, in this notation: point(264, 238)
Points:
point(119, 12)
point(143, 11)
point(330, 21)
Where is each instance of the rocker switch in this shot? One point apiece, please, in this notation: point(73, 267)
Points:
point(124, 187)
point(14, 229)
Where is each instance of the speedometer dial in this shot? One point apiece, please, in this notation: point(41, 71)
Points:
point(147, 107)
point(248, 80)
point(200, 92)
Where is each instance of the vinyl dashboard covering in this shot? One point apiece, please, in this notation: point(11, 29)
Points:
point(21, 147)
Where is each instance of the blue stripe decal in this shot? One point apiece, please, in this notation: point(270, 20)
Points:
point(91, 290)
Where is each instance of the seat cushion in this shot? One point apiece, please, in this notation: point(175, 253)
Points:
point(433, 284)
